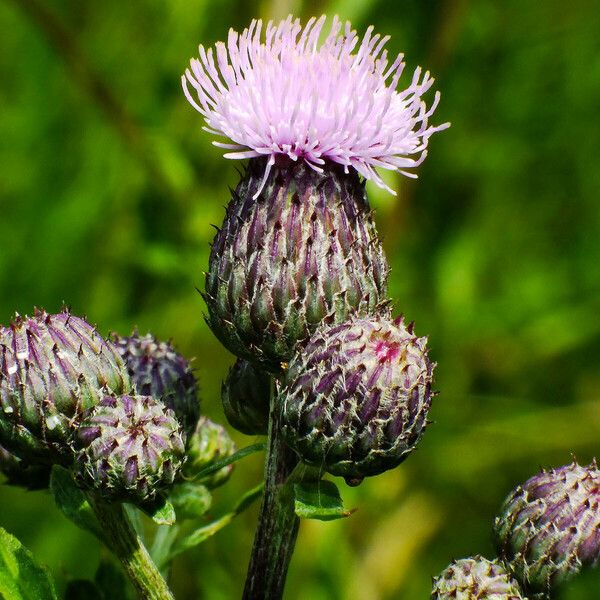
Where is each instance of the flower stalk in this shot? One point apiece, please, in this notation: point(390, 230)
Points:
point(131, 552)
point(278, 524)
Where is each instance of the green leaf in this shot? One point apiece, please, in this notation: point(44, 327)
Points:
point(190, 500)
point(73, 502)
point(319, 500)
point(21, 578)
point(203, 533)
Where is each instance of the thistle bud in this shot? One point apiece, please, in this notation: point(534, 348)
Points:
point(52, 368)
point(18, 472)
point(549, 528)
point(245, 394)
point(128, 448)
point(475, 579)
point(304, 251)
point(209, 445)
point(157, 370)
point(356, 397)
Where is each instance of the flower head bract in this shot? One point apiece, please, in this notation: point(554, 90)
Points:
point(288, 93)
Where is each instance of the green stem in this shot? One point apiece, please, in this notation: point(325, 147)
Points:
point(277, 523)
point(130, 550)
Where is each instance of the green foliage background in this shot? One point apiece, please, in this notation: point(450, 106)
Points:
point(108, 188)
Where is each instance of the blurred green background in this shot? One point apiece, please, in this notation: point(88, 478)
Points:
point(108, 188)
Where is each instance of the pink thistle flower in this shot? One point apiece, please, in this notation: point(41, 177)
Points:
point(291, 95)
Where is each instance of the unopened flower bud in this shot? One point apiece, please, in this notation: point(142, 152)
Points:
point(549, 528)
point(356, 397)
point(128, 448)
point(245, 394)
point(304, 251)
point(209, 444)
point(158, 370)
point(475, 579)
point(52, 368)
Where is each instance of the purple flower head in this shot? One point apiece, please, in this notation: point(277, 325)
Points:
point(291, 95)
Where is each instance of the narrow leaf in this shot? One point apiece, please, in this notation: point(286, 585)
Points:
point(21, 578)
point(217, 466)
point(319, 500)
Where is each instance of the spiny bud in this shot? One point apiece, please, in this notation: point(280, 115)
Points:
point(19, 472)
point(356, 397)
point(245, 394)
point(549, 528)
point(158, 370)
point(304, 251)
point(52, 368)
point(475, 579)
point(128, 448)
point(209, 445)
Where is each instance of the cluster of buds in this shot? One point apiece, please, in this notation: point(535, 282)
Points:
point(297, 275)
point(548, 530)
point(549, 527)
point(52, 369)
point(116, 411)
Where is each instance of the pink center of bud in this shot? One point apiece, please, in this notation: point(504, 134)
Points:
point(387, 351)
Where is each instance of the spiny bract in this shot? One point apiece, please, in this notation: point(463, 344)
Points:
point(128, 448)
point(357, 396)
point(549, 528)
point(245, 394)
point(209, 444)
point(52, 368)
point(304, 252)
point(475, 578)
point(158, 370)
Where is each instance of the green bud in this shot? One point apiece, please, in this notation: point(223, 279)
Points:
point(209, 445)
point(245, 395)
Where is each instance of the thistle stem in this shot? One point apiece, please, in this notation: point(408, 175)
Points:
point(129, 549)
point(277, 529)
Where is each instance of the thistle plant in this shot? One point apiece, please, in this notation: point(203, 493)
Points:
point(296, 289)
point(297, 277)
